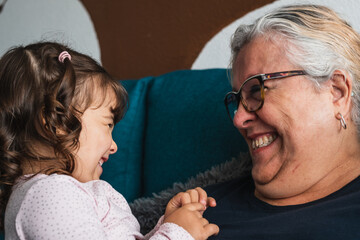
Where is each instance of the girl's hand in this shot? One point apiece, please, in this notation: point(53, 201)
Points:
point(189, 217)
point(197, 195)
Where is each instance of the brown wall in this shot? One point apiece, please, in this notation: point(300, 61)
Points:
point(140, 38)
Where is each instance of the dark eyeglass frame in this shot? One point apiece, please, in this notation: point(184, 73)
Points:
point(232, 96)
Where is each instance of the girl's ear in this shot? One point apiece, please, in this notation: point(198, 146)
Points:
point(341, 88)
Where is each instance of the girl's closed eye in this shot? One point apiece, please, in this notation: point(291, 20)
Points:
point(110, 122)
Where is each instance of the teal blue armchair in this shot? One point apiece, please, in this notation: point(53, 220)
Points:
point(176, 126)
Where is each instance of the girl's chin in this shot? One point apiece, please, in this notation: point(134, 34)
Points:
point(99, 171)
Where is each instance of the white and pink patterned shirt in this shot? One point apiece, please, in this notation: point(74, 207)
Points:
point(60, 207)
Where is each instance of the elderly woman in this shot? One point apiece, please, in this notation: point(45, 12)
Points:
point(296, 101)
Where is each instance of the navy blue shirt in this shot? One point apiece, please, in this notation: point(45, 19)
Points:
point(240, 215)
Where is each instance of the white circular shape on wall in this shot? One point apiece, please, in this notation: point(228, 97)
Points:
point(216, 53)
point(66, 21)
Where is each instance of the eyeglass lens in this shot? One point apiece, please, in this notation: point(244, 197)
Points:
point(250, 97)
point(251, 94)
point(231, 103)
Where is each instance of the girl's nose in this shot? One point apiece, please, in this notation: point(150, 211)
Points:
point(113, 147)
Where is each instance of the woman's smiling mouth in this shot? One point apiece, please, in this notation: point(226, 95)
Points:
point(262, 141)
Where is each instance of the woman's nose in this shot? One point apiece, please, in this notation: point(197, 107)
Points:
point(113, 148)
point(242, 118)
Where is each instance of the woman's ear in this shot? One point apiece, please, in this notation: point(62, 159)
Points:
point(341, 88)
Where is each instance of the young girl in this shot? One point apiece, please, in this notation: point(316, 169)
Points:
point(57, 112)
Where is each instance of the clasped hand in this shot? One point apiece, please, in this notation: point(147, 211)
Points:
point(186, 210)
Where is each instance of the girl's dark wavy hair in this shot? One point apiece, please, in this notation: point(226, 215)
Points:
point(41, 102)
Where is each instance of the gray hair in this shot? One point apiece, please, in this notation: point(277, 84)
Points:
point(317, 41)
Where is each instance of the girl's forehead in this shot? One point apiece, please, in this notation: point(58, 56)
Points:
point(104, 98)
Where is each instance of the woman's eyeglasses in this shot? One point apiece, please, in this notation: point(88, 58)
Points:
point(251, 93)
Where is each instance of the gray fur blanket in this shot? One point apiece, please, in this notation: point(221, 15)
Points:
point(149, 210)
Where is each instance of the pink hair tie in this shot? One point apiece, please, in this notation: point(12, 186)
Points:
point(63, 55)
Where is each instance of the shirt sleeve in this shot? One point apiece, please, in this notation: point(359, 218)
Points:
point(168, 231)
point(58, 209)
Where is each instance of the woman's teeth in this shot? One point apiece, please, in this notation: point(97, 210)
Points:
point(262, 141)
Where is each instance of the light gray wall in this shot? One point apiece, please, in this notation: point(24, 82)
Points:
point(216, 53)
point(65, 21)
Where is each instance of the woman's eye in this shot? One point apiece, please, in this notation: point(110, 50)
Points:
point(255, 89)
point(111, 125)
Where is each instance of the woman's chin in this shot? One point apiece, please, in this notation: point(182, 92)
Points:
point(263, 174)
